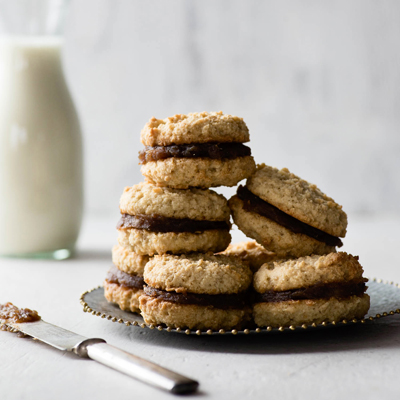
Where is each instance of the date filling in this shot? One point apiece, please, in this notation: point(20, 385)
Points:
point(215, 151)
point(253, 203)
point(12, 314)
point(222, 301)
point(338, 290)
point(160, 224)
point(124, 279)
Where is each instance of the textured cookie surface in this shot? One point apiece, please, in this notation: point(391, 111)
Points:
point(128, 261)
point(308, 271)
point(144, 242)
point(156, 311)
point(298, 312)
point(197, 204)
point(274, 237)
point(201, 127)
point(298, 198)
point(182, 173)
point(126, 298)
point(198, 273)
point(251, 253)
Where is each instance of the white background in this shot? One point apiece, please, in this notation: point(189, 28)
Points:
point(318, 83)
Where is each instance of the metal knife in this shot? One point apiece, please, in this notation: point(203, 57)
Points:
point(100, 351)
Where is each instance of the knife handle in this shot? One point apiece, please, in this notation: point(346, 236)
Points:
point(140, 369)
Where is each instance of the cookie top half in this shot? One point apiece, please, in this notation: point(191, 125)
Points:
point(308, 271)
point(196, 204)
point(204, 127)
point(198, 273)
point(298, 198)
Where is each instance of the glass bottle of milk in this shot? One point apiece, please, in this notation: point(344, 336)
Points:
point(41, 188)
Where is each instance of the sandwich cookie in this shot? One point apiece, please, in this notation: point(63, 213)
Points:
point(157, 220)
point(310, 289)
point(287, 215)
point(197, 291)
point(196, 150)
point(253, 254)
point(124, 281)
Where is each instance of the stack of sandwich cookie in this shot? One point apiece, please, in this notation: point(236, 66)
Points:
point(288, 215)
point(201, 291)
point(196, 150)
point(312, 289)
point(124, 281)
point(158, 220)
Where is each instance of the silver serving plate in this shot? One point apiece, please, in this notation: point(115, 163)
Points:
point(385, 301)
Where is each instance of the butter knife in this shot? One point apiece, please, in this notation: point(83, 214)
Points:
point(98, 350)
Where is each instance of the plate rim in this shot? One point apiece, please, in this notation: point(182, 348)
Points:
point(88, 309)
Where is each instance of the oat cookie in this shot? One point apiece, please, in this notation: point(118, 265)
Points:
point(274, 237)
point(128, 261)
point(198, 273)
point(144, 242)
point(183, 173)
point(126, 298)
point(199, 204)
point(298, 198)
point(299, 312)
point(157, 312)
point(158, 220)
point(288, 215)
point(308, 271)
point(197, 291)
point(123, 289)
point(196, 150)
point(310, 290)
point(201, 127)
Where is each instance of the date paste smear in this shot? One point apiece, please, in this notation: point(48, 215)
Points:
point(11, 314)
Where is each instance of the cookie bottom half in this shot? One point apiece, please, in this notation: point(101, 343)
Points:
point(126, 298)
point(182, 173)
point(156, 311)
point(274, 237)
point(298, 312)
point(144, 242)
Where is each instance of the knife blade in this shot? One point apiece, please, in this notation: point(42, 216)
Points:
point(98, 350)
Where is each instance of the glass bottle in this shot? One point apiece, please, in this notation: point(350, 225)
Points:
point(41, 183)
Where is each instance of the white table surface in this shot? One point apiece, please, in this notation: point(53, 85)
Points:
point(360, 361)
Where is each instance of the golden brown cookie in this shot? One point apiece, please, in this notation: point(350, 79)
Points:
point(197, 291)
point(123, 289)
point(204, 127)
point(128, 261)
point(127, 299)
point(288, 215)
point(299, 312)
point(183, 173)
point(251, 253)
point(310, 290)
point(273, 236)
point(159, 220)
point(196, 150)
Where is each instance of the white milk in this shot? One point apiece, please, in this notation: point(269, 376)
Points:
point(40, 150)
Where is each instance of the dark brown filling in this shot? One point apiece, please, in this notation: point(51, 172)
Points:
point(223, 301)
point(157, 223)
point(253, 203)
point(216, 151)
point(121, 278)
point(12, 314)
point(321, 291)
